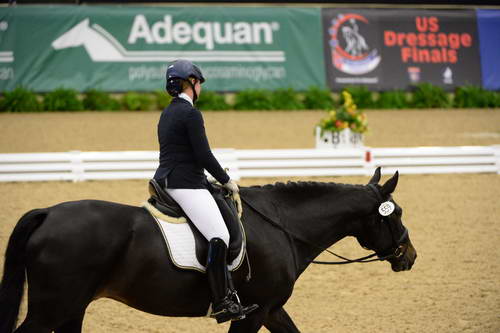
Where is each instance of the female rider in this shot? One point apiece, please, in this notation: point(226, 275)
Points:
point(184, 154)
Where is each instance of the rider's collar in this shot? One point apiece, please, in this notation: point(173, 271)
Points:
point(186, 97)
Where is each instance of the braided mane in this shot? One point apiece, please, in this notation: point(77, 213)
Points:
point(308, 186)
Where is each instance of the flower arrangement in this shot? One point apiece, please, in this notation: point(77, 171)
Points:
point(346, 116)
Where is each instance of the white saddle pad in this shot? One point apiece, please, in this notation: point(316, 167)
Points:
point(181, 243)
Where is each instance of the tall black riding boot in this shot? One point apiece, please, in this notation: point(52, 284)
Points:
point(225, 303)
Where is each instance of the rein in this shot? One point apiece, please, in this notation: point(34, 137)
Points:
point(397, 252)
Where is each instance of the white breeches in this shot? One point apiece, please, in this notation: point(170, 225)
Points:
point(200, 207)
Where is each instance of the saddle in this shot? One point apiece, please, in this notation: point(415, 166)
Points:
point(162, 201)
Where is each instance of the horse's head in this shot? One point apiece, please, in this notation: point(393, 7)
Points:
point(383, 230)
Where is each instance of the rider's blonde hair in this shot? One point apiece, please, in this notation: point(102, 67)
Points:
point(185, 83)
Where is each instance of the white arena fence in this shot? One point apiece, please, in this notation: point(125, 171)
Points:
point(249, 163)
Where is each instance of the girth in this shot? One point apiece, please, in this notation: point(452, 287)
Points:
point(162, 201)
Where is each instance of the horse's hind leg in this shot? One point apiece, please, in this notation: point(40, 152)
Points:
point(32, 326)
point(73, 325)
point(278, 321)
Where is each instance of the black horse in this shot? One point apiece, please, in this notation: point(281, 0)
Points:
point(76, 252)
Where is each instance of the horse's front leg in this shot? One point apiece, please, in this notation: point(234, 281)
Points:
point(278, 321)
point(251, 324)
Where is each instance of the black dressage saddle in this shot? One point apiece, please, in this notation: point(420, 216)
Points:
point(162, 201)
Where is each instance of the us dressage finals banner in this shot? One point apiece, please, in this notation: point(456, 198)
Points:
point(392, 49)
point(115, 48)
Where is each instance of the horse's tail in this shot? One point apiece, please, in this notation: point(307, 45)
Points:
point(12, 285)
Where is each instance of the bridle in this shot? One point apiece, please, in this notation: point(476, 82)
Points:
point(398, 249)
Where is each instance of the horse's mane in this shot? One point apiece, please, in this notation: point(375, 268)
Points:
point(302, 186)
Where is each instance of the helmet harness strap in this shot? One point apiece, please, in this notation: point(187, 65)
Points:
point(195, 95)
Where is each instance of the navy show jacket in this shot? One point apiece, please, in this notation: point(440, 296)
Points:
point(184, 148)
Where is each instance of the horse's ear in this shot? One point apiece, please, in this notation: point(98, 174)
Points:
point(390, 185)
point(376, 177)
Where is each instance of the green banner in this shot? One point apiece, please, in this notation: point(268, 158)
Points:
point(128, 48)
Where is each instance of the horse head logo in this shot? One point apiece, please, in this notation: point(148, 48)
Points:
point(74, 37)
point(98, 43)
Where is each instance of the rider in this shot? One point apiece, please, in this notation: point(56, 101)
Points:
point(184, 154)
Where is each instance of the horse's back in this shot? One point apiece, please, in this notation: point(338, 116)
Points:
point(84, 223)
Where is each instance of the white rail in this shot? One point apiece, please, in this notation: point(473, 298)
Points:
point(80, 166)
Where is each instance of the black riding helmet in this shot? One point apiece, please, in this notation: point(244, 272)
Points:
point(179, 71)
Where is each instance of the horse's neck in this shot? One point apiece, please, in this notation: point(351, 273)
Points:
point(321, 218)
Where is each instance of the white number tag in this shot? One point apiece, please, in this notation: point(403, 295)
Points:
point(386, 208)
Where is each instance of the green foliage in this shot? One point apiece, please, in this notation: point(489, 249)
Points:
point(62, 100)
point(396, 99)
point(286, 99)
point(475, 97)
point(19, 100)
point(253, 99)
point(495, 98)
point(99, 100)
point(424, 95)
point(162, 99)
point(318, 99)
point(427, 95)
point(136, 102)
point(212, 101)
point(362, 96)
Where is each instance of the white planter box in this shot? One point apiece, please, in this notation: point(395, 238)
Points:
point(342, 139)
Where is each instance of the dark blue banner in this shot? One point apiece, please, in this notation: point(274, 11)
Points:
point(386, 49)
point(488, 22)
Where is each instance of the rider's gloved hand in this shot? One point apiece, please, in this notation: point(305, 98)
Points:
point(232, 186)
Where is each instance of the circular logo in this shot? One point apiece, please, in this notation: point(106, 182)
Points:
point(386, 208)
point(352, 53)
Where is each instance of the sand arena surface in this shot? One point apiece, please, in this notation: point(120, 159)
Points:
point(452, 219)
point(107, 131)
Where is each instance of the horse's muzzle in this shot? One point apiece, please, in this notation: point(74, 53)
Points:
point(406, 261)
